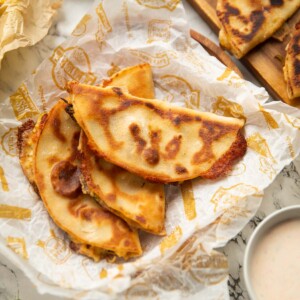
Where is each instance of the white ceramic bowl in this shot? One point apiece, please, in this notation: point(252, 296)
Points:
point(273, 219)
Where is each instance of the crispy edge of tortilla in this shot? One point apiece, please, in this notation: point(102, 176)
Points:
point(27, 137)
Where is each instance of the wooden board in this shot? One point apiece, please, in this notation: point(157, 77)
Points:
point(215, 51)
point(265, 61)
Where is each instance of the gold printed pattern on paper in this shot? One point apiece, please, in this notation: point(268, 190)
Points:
point(227, 108)
point(232, 78)
point(40, 243)
point(261, 97)
point(85, 262)
point(259, 144)
point(102, 17)
point(177, 88)
point(55, 248)
point(188, 199)
point(225, 74)
point(18, 245)
point(294, 122)
point(104, 26)
point(232, 195)
point(185, 247)
point(42, 278)
point(207, 269)
point(42, 97)
point(113, 70)
point(103, 273)
point(22, 104)
point(232, 214)
point(167, 280)
point(291, 147)
point(141, 291)
point(157, 4)
point(159, 30)
point(171, 240)
point(193, 264)
point(80, 29)
point(4, 183)
point(158, 60)
point(71, 64)
point(9, 142)
point(14, 212)
point(194, 60)
point(266, 167)
point(66, 283)
point(126, 15)
point(272, 124)
point(238, 169)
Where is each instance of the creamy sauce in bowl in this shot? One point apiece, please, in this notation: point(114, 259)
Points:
point(275, 263)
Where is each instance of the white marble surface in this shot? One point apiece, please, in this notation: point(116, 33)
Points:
point(19, 64)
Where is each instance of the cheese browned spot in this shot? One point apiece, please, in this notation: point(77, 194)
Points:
point(151, 156)
point(65, 179)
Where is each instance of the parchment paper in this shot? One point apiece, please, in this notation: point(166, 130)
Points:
point(201, 214)
point(24, 22)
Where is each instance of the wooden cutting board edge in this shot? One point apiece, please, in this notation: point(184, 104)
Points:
point(215, 51)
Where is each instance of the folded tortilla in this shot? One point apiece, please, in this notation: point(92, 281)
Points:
point(153, 139)
point(57, 177)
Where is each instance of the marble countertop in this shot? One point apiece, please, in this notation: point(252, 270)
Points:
point(19, 64)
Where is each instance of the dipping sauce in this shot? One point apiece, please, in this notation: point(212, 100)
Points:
point(275, 264)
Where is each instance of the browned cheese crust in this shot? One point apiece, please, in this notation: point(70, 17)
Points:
point(224, 165)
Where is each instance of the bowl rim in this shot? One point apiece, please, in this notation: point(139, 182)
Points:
point(252, 239)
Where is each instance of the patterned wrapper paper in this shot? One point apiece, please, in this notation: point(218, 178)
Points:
point(24, 22)
point(201, 214)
